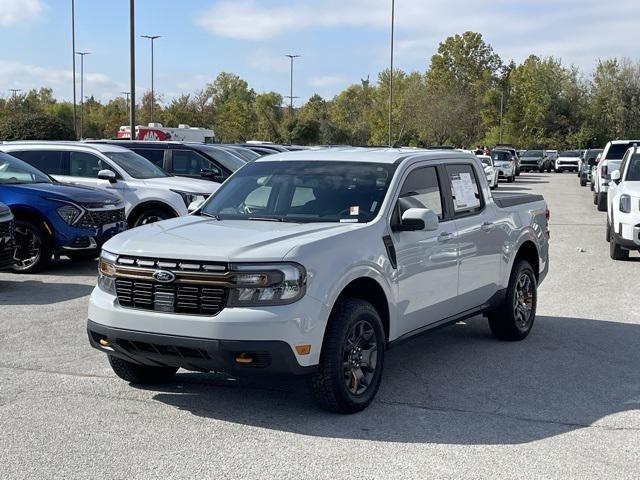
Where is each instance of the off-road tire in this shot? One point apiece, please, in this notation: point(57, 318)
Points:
point(328, 383)
point(140, 373)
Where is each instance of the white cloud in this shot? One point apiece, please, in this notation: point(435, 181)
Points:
point(18, 12)
point(24, 76)
point(265, 61)
point(327, 81)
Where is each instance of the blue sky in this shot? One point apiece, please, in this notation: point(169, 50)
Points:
point(341, 41)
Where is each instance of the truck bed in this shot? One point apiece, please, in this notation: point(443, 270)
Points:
point(506, 200)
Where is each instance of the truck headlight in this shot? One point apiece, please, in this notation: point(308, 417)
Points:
point(70, 213)
point(188, 198)
point(625, 204)
point(266, 284)
point(106, 272)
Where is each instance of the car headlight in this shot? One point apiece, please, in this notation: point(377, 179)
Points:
point(266, 284)
point(70, 213)
point(189, 197)
point(625, 204)
point(106, 272)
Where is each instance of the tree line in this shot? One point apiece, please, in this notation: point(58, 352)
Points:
point(467, 96)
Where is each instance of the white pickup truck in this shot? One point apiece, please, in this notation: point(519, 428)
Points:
point(315, 263)
point(623, 212)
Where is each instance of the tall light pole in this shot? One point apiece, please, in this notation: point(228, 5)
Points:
point(152, 38)
point(73, 55)
point(82, 54)
point(393, 14)
point(132, 68)
point(291, 97)
point(501, 111)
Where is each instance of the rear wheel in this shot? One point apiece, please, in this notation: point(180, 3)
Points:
point(608, 231)
point(583, 182)
point(514, 319)
point(33, 251)
point(595, 198)
point(601, 202)
point(352, 358)
point(140, 373)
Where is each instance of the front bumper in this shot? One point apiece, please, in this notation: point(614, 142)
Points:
point(72, 239)
point(197, 354)
point(567, 166)
point(505, 171)
point(299, 323)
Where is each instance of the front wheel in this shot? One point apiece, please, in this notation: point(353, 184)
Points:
point(352, 358)
point(151, 215)
point(134, 373)
point(616, 252)
point(33, 252)
point(583, 182)
point(514, 318)
point(601, 202)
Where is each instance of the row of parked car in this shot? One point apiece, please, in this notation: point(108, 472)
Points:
point(614, 176)
point(69, 198)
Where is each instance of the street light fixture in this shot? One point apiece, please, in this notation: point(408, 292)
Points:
point(152, 38)
point(82, 55)
point(291, 97)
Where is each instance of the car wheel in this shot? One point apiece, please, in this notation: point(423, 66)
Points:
point(583, 182)
point(151, 215)
point(595, 198)
point(512, 179)
point(591, 186)
point(616, 252)
point(608, 231)
point(134, 373)
point(33, 251)
point(514, 319)
point(601, 202)
point(83, 257)
point(352, 358)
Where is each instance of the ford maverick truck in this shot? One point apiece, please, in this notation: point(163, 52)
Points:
point(316, 263)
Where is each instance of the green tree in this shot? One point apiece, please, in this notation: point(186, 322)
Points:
point(34, 126)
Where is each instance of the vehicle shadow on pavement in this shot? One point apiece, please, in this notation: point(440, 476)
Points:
point(36, 292)
point(455, 386)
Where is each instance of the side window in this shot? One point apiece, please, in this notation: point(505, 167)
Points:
point(259, 197)
point(85, 165)
point(464, 188)
point(421, 189)
point(49, 162)
point(188, 162)
point(302, 196)
point(155, 155)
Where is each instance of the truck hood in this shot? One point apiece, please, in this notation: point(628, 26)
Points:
point(190, 185)
point(71, 193)
point(568, 159)
point(206, 239)
point(631, 188)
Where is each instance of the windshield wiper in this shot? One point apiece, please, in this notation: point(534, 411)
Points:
point(205, 214)
point(266, 219)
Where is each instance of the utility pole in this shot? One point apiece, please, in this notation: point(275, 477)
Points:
point(291, 97)
point(126, 96)
point(501, 110)
point(82, 54)
point(73, 55)
point(393, 14)
point(14, 91)
point(132, 68)
point(152, 38)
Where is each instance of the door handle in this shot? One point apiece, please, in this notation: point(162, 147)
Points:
point(487, 226)
point(445, 237)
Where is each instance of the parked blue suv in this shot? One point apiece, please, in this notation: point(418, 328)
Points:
point(53, 218)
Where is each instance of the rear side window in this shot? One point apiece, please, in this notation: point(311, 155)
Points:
point(421, 189)
point(464, 189)
point(188, 162)
point(85, 165)
point(50, 162)
point(154, 155)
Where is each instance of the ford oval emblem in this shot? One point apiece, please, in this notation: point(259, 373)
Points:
point(163, 276)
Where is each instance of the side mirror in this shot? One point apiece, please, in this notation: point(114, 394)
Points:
point(418, 219)
point(615, 176)
point(213, 175)
point(107, 175)
point(195, 205)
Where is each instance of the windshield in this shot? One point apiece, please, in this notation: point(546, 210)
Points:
point(617, 150)
point(14, 171)
point(299, 191)
point(533, 153)
point(571, 153)
point(501, 156)
point(486, 160)
point(228, 160)
point(136, 165)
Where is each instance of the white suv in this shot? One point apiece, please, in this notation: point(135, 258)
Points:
point(149, 193)
point(623, 213)
point(609, 161)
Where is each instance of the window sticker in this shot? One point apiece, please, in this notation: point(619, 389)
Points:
point(354, 211)
point(348, 220)
point(463, 191)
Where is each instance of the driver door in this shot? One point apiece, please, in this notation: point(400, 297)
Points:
point(427, 261)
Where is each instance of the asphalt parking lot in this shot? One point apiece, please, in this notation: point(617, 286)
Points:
point(565, 403)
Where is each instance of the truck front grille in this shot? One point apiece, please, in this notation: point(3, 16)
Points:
point(174, 298)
